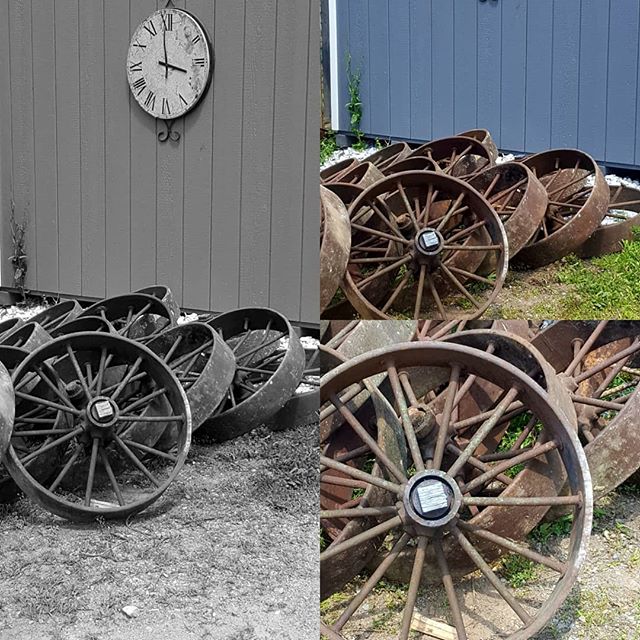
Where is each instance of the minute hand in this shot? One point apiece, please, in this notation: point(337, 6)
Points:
point(171, 66)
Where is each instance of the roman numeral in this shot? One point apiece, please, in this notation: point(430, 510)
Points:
point(150, 100)
point(140, 84)
point(199, 62)
point(183, 100)
point(165, 107)
point(140, 46)
point(196, 39)
point(151, 28)
point(167, 21)
point(136, 66)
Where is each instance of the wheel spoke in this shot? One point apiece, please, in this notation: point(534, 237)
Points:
point(92, 471)
point(445, 422)
point(489, 574)
point(51, 445)
point(127, 378)
point(112, 478)
point(361, 512)
point(357, 474)
point(145, 400)
point(538, 501)
point(380, 272)
point(447, 582)
point(134, 459)
point(414, 585)
point(361, 538)
point(76, 367)
point(47, 403)
point(60, 477)
point(460, 286)
point(150, 450)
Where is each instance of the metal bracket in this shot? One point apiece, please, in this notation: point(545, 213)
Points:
point(163, 136)
point(169, 4)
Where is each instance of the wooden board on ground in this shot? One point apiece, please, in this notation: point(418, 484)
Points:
point(433, 628)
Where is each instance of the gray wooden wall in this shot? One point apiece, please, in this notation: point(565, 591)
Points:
point(536, 73)
point(226, 217)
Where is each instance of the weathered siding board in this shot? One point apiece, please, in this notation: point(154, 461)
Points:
point(622, 81)
point(44, 134)
point(117, 154)
point(536, 73)
point(594, 61)
point(222, 217)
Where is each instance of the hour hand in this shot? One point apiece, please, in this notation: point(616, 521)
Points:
point(168, 65)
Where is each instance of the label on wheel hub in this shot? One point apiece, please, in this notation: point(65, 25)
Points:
point(103, 410)
point(429, 240)
point(432, 498)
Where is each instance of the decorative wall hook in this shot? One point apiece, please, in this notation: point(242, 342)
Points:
point(163, 136)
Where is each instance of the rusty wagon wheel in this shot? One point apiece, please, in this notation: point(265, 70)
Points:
point(303, 406)
point(362, 175)
point(7, 409)
point(201, 361)
point(334, 172)
point(457, 156)
point(427, 233)
point(81, 420)
point(28, 336)
point(136, 316)
point(165, 294)
point(416, 163)
point(434, 498)
point(476, 398)
point(270, 363)
point(483, 137)
point(80, 325)
point(335, 242)
point(386, 156)
point(618, 224)
point(9, 326)
point(58, 314)
point(578, 200)
point(598, 362)
point(518, 198)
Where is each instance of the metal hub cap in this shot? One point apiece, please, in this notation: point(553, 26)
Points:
point(102, 412)
point(432, 499)
point(429, 242)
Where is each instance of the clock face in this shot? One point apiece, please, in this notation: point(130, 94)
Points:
point(169, 63)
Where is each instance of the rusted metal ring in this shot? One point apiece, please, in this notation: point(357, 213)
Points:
point(80, 325)
point(162, 292)
point(484, 137)
point(7, 409)
point(389, 155)
point(201, 361)
point(415, 163)
point(575, 209)
point(28, 336)
point(91, 394)
point(58, 314)
point(392, 218)
point(10, 325)
point(269, 366)
point(335, 244)
point(362, 175)
point(457, 156)
point(334, 172)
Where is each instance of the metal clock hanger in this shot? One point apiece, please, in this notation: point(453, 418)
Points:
point(169, 66)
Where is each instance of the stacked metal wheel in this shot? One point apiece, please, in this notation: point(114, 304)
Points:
point(430, 232)
point(440, 456)
point(98, 405)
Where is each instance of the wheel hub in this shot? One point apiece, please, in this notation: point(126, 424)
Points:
point(432, 499)
point(429, 242)
point(102, 414)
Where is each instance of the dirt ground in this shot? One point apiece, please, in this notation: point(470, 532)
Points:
point(229, 553)
point(604, 604)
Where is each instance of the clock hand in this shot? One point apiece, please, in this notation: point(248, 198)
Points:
point(164, 44)
point(168, 66)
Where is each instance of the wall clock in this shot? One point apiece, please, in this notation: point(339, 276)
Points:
point(169, 65)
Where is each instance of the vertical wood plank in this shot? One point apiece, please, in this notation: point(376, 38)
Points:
point(465, 67)
point(170, 202)
point(360, 52)
point(227, 159)
point(622, 82)
point(68, 139)
point(198, 142)
point(421, 81)
point(6, 159)
point(513, 78)
point(539, 67)
point(91, 39)
point(44, 132)
point(400, 63)
point(257, 151)
point(565, 74)
point(117, 146)
point(310, 283)
point(22, 130)
point(343, 36)
point(143, 161)
point(489, 53)
point(377, 102)
point(442, 52)
point(292, 60)
point(594, 48)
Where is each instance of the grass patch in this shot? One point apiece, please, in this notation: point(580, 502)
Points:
point(547, 530)
point(605, 287)
point(594, 609)
point(517, 571)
